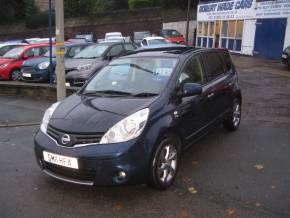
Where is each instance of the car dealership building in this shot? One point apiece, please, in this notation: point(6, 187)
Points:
point(250, 27)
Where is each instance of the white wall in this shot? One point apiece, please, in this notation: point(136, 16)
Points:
point(249, 37)
point(287, 34)
point(181, 27)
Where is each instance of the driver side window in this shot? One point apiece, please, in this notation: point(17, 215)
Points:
point(117, 50)
point(144, 42)
point(192, 71)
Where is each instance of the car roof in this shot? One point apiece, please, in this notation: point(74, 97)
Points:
point(69, 44)
point(154, 37)
point(171, 51)
point(11, 43)
point(35, 45)
point(109, 43)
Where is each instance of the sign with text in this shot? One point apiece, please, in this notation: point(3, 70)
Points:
point(227, 10)
point(243, 9)
point(273, 9)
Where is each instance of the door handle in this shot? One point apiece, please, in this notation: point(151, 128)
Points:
point(210, 95)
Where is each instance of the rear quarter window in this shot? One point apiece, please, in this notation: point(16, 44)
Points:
point(213, 65)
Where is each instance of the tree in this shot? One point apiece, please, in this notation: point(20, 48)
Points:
point(30, 8)
point(134, 4)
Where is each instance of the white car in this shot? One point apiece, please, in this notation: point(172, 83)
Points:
point(113, 35)
point(156, 40)
point(5, 47)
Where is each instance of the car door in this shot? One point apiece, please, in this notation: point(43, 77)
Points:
point(215, 85)
point(192, 110)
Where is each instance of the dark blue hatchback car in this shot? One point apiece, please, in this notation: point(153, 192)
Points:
point(130, 123)
point(38, 69)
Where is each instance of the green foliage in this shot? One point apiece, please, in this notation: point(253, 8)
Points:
point(135, 4)
point(11, 10)
point(38, 20)
point(75, 8)
point(30, 8)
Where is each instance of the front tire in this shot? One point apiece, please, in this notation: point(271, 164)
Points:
point(165, 163)
point(232, 123)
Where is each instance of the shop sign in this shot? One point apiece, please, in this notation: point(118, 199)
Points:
point(227, 10)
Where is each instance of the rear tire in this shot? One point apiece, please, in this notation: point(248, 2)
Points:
point(165, 163)
point(15, 75)
point(232, 123)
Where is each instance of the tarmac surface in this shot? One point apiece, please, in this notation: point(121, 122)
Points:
point(241, 174)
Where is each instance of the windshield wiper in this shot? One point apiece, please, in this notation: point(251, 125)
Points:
point(110, 92)
point(145, 94)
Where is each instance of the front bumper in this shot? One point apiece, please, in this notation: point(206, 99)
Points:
point(98, 164)
point(35, 76)
point(4, 74)
point(286, 59)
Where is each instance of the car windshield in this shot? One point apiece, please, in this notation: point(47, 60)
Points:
point(94, 51)
point(142, 76)
point(157, 42)
point(141, 35)
point(170, 33)
point(14, 53)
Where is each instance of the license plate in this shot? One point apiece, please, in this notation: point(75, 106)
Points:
point(69, 162)
point(284, 56)
point(67, 84)
point(26, 75)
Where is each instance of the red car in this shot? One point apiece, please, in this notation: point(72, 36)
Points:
point(173, 36)
point(11, 62)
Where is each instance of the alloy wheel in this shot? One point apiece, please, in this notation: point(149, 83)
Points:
point(15, 75)
point(167, 163)
point(237, 114)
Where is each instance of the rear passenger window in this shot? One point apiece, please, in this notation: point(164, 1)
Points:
point(192, 72)
point(227, 62)
point(213, 65)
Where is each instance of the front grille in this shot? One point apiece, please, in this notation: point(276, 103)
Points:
point(88, 175)
point(75, 139)
point(28, 70)
point(76, 82)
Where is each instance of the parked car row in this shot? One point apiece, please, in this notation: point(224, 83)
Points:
point(29, 60)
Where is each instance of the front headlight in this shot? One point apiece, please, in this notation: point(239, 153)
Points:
point(84, 67)
point(43, 65)
point(47, 115)
point(3, 65)
point(127, 129)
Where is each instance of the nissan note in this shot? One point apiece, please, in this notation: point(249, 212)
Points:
point(131, 122)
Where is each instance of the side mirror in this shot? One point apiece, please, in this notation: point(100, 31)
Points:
point(190, 89)
point(25, 57)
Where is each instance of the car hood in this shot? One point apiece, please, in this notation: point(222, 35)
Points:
point(76, 74)
point(35, 61)
point(87, 114)
point(75, 63)
point(5, 61)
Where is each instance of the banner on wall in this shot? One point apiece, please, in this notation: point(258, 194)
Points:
point(243, 9)
point(273, 9)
